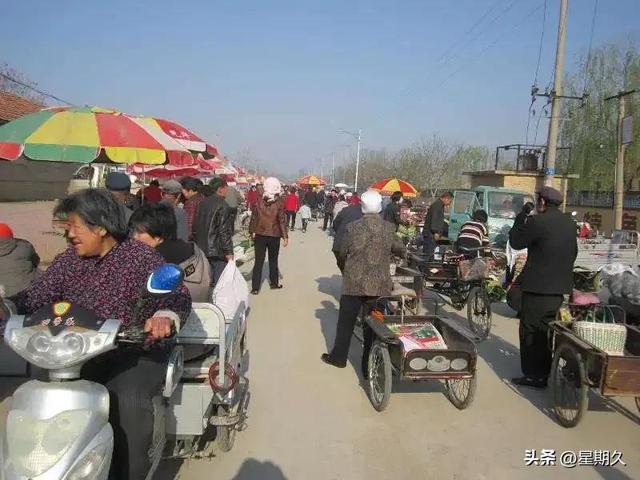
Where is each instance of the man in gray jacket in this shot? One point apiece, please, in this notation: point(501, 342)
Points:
point(18, 262)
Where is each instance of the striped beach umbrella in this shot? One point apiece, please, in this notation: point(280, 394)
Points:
point(390, 185)
point(85, 134)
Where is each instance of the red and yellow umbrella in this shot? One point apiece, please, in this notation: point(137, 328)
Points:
point(187, 138)
point(390, 185)
point(312, 180)
point(83, 134)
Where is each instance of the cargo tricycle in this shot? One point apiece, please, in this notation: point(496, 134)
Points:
point(387, 355)
point(578, 364)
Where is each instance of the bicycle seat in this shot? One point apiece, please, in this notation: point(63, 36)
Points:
point(584, 299)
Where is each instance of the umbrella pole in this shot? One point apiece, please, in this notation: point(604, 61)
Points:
point(143, 182)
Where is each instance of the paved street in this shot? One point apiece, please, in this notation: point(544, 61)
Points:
point(309, 421)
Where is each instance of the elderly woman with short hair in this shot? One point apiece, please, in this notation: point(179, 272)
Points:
point(105, 271)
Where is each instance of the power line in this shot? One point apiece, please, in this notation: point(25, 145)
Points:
point(32, 88)
point(489, 46)
point(544, 21)
point(495, 19)
point(471, 29)
point(442, 59)
point(535, 76)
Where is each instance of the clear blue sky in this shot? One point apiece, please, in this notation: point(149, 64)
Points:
point(281, 78)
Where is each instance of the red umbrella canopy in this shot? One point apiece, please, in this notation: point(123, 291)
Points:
point(390, 185)
point(187, 138)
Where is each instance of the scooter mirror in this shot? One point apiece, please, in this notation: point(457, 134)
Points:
point(165, 279)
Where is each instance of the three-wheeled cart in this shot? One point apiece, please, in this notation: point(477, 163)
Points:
point(385, 357)
point(213, 390)
point(443, 278)
point(578, 365)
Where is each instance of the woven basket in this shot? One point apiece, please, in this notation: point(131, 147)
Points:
point(608, 337)
point(473, 269)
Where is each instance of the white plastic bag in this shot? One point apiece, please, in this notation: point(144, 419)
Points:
point(231, 293)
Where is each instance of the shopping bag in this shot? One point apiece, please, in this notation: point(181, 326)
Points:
point(231, 293)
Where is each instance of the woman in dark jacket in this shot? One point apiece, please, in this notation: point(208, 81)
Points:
point(268, 225)
point(155, 224)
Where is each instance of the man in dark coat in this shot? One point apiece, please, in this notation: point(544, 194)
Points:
point(434, 224)
point(329, 202)
point(367, 249)
point(18, 262)
point(213, 231)
point(550, 238)
point(310, 198)
point(392, 211)
point(119, 184)
point(345, 217)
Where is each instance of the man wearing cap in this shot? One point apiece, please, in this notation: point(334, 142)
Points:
point(171, 190)
point(119, 185)
point(367, 248)
point(18, 262)
point(550, 238)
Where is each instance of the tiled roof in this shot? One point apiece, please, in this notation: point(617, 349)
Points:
point(13, 106)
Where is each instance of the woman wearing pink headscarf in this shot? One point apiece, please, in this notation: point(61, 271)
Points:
point(268, 225)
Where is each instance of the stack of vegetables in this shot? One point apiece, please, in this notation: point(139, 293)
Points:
point(244, 251)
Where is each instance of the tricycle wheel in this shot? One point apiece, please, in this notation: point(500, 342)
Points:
point(379, 382)
point(225, 435)
point(461, 392)
point(568, 385)
point(479, 312)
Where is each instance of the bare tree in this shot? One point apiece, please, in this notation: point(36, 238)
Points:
point(16, 82)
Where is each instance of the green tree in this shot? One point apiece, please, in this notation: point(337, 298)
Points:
point(590, 128)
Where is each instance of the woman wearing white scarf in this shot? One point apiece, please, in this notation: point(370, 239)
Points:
point(267, 227)
point(272, 188)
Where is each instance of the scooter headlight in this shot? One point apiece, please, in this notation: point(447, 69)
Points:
point(90, 466)
point(69, 347)
point(35, 445)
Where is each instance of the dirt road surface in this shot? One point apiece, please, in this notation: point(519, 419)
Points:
point(309, 421)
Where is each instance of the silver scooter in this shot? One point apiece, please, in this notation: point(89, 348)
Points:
point(59, 430)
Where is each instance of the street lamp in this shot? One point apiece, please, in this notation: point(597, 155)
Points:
point(357, 137)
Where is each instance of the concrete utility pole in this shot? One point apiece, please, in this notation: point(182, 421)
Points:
point(556, 94)
point(618, 199)
point(333, 168)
